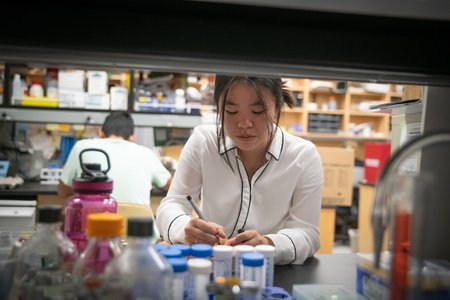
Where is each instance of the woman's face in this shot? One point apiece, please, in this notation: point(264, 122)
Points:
point(245, 120)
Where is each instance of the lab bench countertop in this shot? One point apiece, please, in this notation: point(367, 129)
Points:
point(327, 269)
point(29, 189)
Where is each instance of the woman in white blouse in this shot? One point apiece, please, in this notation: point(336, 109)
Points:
point(258, 184)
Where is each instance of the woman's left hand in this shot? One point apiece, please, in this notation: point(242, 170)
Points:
point(249, 237)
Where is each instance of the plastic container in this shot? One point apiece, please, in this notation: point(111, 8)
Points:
point(252, 269)
point(240, 250)
point(180, 278)
point(104, 231)
point(170, 253)
point(36, 89)
point(45, 260)
point(199, 274)
point(269, 261)
point(139, 272)
point(92, 195)
point(223, 261)
point(52, 87)
point(17, 91)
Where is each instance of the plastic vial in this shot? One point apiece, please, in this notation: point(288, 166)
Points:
point(45, 261)
point(170, 253)
point(140, 272)
point(104, 232)
point(223, 261)
point(17, 88)
point(180, 278)
point(269, 258)
point(199, 275)
point(201, 251)
point(252, 269)
point(240, 250)
point(185, 249)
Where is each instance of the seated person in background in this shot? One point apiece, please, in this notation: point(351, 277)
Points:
point(133, 167)
point(258, 184)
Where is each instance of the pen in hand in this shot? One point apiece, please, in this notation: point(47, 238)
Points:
point(197, 210)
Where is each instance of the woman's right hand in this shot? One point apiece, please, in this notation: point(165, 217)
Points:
point(199, 231)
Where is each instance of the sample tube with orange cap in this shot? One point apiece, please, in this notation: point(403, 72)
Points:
point(104, 231)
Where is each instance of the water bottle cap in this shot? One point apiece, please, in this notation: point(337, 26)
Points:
point(185, 249)
point(86, 186)
point(201, 250)
point(170, 253)
point(178, 264)
point(266, 250)
point(253, 259)
point(140, 227)
point(223, 251)
point(104, 225)
point(199, 266)
point(50, 214)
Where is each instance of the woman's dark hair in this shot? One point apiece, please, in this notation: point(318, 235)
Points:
point(119, 123)
point(261, 86)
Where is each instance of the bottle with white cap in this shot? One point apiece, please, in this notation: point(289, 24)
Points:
point(269, 257)
point(240, 250)
point(223, 261)
point(252, 269)
point(199, 274)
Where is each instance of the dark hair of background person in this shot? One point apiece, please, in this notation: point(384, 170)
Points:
point(118, 123)
point(260, 85)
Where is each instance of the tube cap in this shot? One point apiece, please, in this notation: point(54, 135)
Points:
point(199, 266)
point(266, 250)
point(185, 249)
point(104, 225)
point(223, 251)
point(50, 214)
point(140, 227)
point(201, 250)
point(253, 259)
point(178, 264)
point(170, 253)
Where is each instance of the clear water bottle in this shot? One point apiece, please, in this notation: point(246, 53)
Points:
point(92, 195)
point(45, 261)
point(140, 272)
point(269, 261)
point(223, 261)
point(199, 277)
point(104, 231)
point(16, 88)
point(180, 278)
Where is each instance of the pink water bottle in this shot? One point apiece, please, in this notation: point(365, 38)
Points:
point(92, 195)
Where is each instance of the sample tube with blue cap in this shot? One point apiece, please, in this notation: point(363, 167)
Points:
point(180, 279)
point(269, 258)
point(252, 269)
point(185, 249)
point(201, 251)
point(159, 247)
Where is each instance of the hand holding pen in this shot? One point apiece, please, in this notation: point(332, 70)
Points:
point(198, 230)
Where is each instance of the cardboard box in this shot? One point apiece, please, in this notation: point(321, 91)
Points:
point(338, 164)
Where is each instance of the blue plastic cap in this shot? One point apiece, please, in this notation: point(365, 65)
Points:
point(253, 259)
point(160, 247)
point(178, 264)
point(170, 253)
point(201, 250)
point(185, 249)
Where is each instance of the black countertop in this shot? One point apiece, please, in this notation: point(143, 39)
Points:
point(339, 269)
point(28, 190)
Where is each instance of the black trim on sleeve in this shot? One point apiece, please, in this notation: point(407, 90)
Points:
point(168, 230)
point(242, 200)
point(295, 248)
